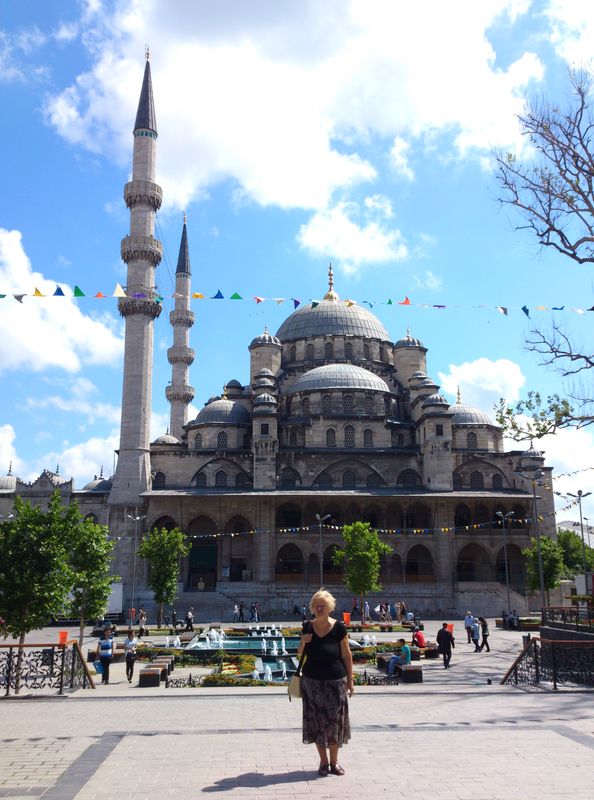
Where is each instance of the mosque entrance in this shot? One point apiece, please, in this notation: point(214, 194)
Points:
point(202, 571)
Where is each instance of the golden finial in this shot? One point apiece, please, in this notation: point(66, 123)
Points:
point(458, 397)
point(225, 392)
point(147, 52)
point(331, 294)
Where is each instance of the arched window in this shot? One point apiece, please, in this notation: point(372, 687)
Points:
point(92, 518)
point(293, 439)
point(369, 405)
point(305, 407)
point(462, 516)
point(471, 441)
point(367, 437)
point(349, 436)
point(290, 478)
point(328, 351)
point(481, 515)
point(476, 480)
point(497, 481)
point(222, 441)
point(309, 352)
point(348, 350)
point(201, 480)
point(324, 481)
point(408, 479)
point(348, 403)
point(293, 353)
point(220, 478)
point(348, 479)
point(240, 481)
point(326, 404)
point(330, 437)
point(382, 354)
point(289, 560)
point(198, 441)
point(457, 481)
point(159, 480)
point(365, 351)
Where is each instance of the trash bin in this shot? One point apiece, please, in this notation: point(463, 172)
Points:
point(62, 637)
point(346, 617)
point(450, 627)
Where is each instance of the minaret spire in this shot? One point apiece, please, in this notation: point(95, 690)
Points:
point(331, 294)
point(141, 252)
point(179, 393)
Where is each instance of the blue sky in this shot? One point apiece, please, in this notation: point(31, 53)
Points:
point(360, 133)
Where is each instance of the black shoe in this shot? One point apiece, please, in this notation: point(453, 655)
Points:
point(324, 770)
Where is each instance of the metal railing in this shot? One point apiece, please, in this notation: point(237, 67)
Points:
point(576, 618)
point(552, 661)
point(40, 667)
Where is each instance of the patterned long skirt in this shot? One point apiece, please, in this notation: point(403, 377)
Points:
point(325, 712)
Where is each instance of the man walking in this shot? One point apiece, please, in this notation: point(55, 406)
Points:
point(468, 622)
point(190, 619)
point(445, 642)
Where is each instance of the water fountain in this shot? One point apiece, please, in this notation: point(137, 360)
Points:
point(374, 640)
point(274, 648)
point(284, 670)
point(283, 648)
point(264, 646)
point(255, 674)
point(366, 640)
point(267, 673)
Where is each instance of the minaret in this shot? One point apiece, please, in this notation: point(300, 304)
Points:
point(180, 356)
point(141, 252)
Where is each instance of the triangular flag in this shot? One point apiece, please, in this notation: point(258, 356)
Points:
point(218, 296)
point(236, 296)
point(158, 299)
point(315, 303)
point(542, 308)
point(258, 299)
point(526, 311)
point(2, 296)
point(405, 302)
point(439, 306)
point(18, 297)
point(197, 295)
point(118, 291)
point(591, 309)
point(367, 302)
point(389, 303)
point(100, 295)
point(296, 302)
point(279, 300)
point(558, 308)
point(78, 292)
point(58, 292)
point(349, 303)
point(37, 293)
point(502, 310)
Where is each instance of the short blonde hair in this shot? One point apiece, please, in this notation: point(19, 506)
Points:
point(322, 594)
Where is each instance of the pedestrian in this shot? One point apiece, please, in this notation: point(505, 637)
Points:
point(326, 683)
point(241, 607)
point(235, 612)
point(173, 619)
point(141, 622)
point(190, 619)
point(366, 612)
point(476, 635)
point(504, 620)
point(485, 633)
point(104, 653)
point(468, 623)
point(257, 611)
point(252, 611)
point(388, 611)
point(304, 616)
point(445, 643)
point(296, 611)
point(130, 646)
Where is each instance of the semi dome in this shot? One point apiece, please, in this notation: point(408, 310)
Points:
point(468, 415)
point(166, 438)
point(409, 341)
point(99, 484)
point(338, 376)
point(223, 411)
point(331, 318)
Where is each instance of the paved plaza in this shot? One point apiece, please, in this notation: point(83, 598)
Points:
point(454, 737)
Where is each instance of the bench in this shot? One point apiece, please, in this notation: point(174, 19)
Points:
point(381, 680)
point(149, 677)
point(411, 673)
point(431, 652)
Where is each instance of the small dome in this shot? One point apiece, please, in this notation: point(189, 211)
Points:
point(468, 415)
point(223, 411)
point(212, 399)
point(265, 373)
point(234, 384)
point(426, 382)
point(265, 399)
point(531, 452)
point(264, 339)
point(338, 376)
point(435, 400)
point(418, 375)
point(99, 484)
point(166, 438)
point(409, 341)
point(265, 382)
point(8, 483)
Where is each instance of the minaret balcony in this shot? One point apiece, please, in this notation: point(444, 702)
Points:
point(143, 193)
point(181, 355)
point(128, 306)
point(181, 394)
point(142, 248)
point(183, 318)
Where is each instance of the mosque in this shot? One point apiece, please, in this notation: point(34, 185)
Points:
point(335, 423)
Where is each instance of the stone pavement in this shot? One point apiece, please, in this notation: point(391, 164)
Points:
point(454, 737)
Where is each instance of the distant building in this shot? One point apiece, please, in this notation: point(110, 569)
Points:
point(335, 423)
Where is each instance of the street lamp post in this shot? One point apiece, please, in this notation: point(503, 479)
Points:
point(534, 480)
point(321, 521)
point(136, 521)
point(504, 519)
point(579, 497)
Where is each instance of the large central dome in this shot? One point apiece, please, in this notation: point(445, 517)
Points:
point(331, 318)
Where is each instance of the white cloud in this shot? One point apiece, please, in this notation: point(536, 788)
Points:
point(47, 332)
point(8, 453)
point(399, 159)
point(79, 398)
point(262, 94)
point(354, 236)
point(428, 280)
point(571, 30)
point(82, 461)
point(483, 382)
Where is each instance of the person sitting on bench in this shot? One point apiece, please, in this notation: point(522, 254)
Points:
point(400, 660)
point(418, 638)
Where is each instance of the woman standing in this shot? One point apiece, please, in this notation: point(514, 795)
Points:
point(327, 678)
point(105, 653)
point(485, 633)
point(130, 646)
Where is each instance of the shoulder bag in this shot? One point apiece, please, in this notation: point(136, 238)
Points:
point(294, 687)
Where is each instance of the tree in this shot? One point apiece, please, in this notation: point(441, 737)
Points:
point(554, 195)
point(163, 549)
point(552, 563)
point(573, 553)
point(360, 558)
point(35, 574)
point(90, 561)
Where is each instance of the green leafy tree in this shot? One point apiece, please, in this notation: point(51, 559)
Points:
point(163, 549)
point(90, 561)
point(573, 553)
point(35, 574)
point(360, 558)
point(552, 563)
